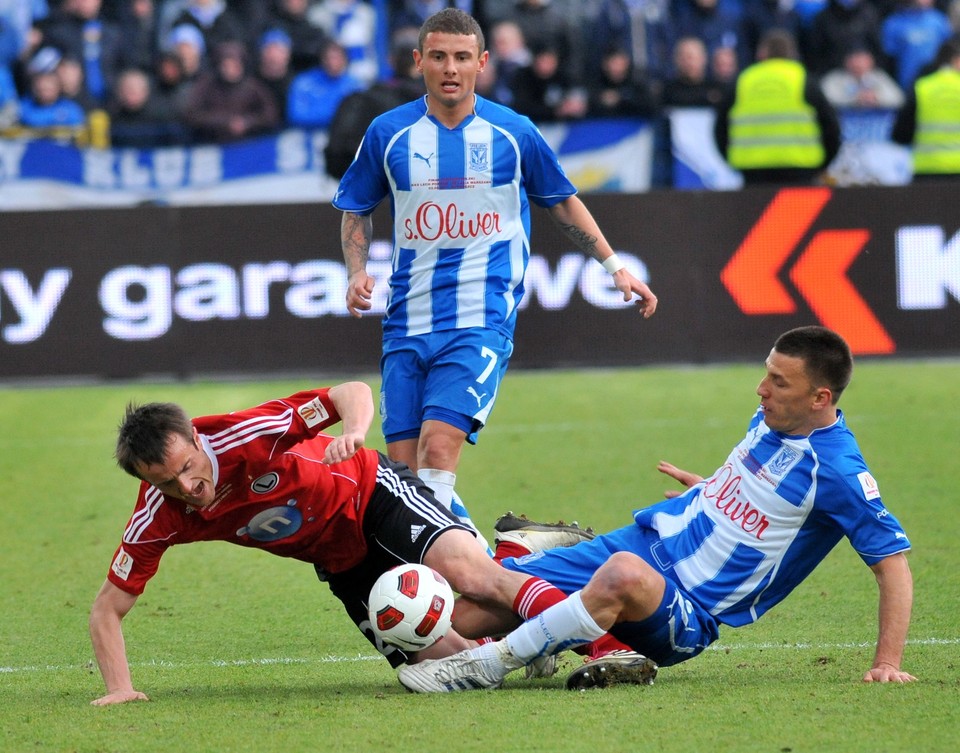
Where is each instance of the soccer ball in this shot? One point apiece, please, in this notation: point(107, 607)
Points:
point(410, 606)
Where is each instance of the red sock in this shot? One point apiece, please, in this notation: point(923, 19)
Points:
point(534, 596)
point(509, 549)
point(602, 645)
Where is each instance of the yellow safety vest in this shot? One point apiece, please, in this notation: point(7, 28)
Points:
point(936, 144)
point(771, 125)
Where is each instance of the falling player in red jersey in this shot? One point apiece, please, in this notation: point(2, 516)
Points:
point(269, 477)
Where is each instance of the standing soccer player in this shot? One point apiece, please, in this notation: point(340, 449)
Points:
point(460, 172)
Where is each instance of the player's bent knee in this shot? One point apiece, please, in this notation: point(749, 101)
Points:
point(623, 575)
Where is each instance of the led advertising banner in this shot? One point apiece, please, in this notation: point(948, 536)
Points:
point(199, 291)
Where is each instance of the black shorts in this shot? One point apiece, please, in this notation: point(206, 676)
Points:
point(402, 520)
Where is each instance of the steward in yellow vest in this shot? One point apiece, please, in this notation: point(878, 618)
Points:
point(930, 118)
point(776, 126)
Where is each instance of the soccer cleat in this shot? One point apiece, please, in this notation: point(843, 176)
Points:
point(537, 537)
point(449, 675)
point(542, 666)
point(613, 668)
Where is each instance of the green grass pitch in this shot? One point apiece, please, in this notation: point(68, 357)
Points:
point(240, 651)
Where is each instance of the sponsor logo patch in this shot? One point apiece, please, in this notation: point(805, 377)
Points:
point(869, 485)
point(313, 413)
point(122, 564)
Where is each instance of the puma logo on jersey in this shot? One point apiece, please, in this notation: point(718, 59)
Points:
point(478, 397)
point(417, 155)
point(415, 532)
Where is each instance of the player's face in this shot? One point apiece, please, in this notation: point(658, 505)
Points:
point(186, 472)
point(791, 403)
point(450, 64)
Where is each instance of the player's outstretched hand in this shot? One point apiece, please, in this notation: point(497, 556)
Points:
point(887, 673)
point(630, 286)
point(684, 477)
point(343, 447)
point(120, 696)
point(359, 293)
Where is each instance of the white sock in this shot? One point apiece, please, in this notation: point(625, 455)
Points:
point(441, 482)
point(556, 629)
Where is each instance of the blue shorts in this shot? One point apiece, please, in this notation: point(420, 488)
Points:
point(451, 376)
point(679, 629)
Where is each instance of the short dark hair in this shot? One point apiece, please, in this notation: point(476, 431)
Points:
point(145, 432)
point(826, 356)
point(452, 21)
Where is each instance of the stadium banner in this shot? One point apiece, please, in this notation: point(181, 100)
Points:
point(867, 157)
point(600, 155)
point(203, 291)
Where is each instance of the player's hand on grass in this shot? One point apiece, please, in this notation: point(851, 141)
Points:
point(887, 673)
point(120, 696)
point(359, 293)
point(343, 447)
point(684, 477)
point(630, 286)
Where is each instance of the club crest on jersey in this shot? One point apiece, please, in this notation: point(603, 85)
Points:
point(783, 461)
point(266, 483)
point(479, 157)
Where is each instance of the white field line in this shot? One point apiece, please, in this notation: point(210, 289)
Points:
point(376, 657)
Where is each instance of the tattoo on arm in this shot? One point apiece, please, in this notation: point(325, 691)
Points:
point(584, 240)
point(355, 239)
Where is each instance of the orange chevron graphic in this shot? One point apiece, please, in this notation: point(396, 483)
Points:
point(819, 274)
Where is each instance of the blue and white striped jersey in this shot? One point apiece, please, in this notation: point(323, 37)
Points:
point(461, 217)
point(743, 539)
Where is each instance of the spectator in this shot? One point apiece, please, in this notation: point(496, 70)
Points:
point(138, 28)
point(620, 94)
point(508, 54)
point(546, 27)
point(640, 26)
point(314, 95)
point(227, 103)
point(861, 84)
point(542, 92)
point(274, 55)
point(9, 99)
point(841, 26)
point(138, 119)
point(929, 121)
point(715, 23)
point(214, 19)
point(44, 106)
point(356, 111)
point(73, 83)
point(171, 87)
point(78, 30)
point(760, 16)
point(187, 43)
point(776, 126)
point(691, 86)
point(724, 66)
point(912, 36)
point(353, 25)
point(306, 39)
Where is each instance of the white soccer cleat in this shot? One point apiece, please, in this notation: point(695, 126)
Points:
point(542, 666)
point(537, 537)
point(451, 674)
point(617, 667)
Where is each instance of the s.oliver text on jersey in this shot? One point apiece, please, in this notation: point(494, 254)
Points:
point(432, 221)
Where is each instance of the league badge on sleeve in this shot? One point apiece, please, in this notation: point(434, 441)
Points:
point(869, 485)
point(313, 413)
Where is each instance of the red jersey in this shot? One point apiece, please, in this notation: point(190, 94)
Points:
point(272, 493)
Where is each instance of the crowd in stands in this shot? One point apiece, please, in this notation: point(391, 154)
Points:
point(162, 72)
